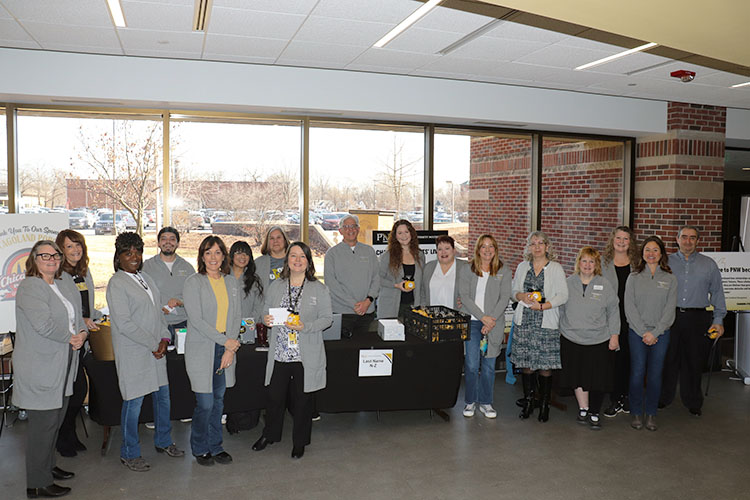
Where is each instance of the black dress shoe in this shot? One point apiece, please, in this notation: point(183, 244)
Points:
point(261, 443)
point(52, 490)
point(696, 412)
point(205, 459)
point(58, 473)
point(298, 452)
point(223, 458)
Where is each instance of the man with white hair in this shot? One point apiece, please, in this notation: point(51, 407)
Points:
point(351, 275)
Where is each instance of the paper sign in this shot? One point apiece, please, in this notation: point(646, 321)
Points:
point(375, 362)
point(280, 314)
point(735, 277)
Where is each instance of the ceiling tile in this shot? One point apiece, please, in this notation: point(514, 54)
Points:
point(633, 62)
point(47, 34)
point(170, 54)
point(154, 16)
point(515, 31)
point(18, 44)
point(238, 58)
point(584, 43)
point(557, 56)
point(84, 49)
point(462, 65)
point(340, 31)
point(72, 12)
point(266, 48)
point(445, 19)
point(284, 7)
point(254, 23)
point(162, 41)
point(320, 52)
point(11, 30)
point(721, 79)
point(407, 61)
point(662, 73)
point(497, 49)
point(308, 63)
point(384, 11)
point(4, 14)
point(422, 40)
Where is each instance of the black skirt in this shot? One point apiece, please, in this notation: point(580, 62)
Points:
point(590, 367)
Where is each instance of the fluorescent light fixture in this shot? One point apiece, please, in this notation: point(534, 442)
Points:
point(741, 85)
point(201, 14)
point(471, 36)
point(617, 56)
point(115, 10)
point(406, 23)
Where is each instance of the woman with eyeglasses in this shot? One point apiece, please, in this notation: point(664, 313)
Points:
point(296, 365)
point(540, 288)
point(139, 339)
point(401, 270)
point(213, 305)
point(49, 331)
point(75, 268)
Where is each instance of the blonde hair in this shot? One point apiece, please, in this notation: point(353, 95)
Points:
point(549, 253)
point(476, 262)
point(594, 254)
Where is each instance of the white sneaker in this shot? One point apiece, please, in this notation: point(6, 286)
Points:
point(488, 411)
point(224, 419)
point(469, 410)
point(150, 425)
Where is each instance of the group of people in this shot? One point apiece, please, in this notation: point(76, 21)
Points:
point(629, 315)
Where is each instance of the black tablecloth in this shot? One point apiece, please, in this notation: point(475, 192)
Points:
point(424, 376)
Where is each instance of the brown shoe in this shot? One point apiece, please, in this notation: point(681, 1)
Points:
point(651, 422)
point(637, 422)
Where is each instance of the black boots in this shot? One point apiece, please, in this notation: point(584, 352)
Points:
point(528, 393)
point(545, 388)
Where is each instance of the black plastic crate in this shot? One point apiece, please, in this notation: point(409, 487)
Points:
point(437, 324)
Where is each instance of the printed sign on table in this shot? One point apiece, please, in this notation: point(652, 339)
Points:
point(375, 362)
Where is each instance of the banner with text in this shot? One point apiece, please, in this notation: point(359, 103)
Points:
point(426, 242)
point(735, 276)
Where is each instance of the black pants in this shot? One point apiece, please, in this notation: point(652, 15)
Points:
point(355, 323)
point(288, 378)
point(41, 435)
point(622, 367)
point(686, 358)
point(67, 437)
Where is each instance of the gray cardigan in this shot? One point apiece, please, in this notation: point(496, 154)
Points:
point(389, 297)
point(496, 297)
point(650, 302)
point(252, 303)
point(95, 313)
point(202, 336)
point(263, 269)
point(42, 350)
point(590, 317)
point(429, 270)
point(138, 326)
point(555, 292)
point(351, 276)
point(170, 284)
point(315, 313)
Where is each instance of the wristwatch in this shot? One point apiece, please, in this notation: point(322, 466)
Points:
point(371, 299)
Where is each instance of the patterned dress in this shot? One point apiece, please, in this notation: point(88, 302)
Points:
point(535, 347)
point(285, 353)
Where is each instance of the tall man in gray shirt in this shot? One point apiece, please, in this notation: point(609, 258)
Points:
point(698, 286)
point(351, 275)
point(170, 271)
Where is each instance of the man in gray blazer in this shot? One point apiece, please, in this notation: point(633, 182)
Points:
point(351, 275)
point(170, 271)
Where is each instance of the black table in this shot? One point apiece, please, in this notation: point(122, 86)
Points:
point(424, 377)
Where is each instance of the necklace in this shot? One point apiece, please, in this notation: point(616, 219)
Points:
point(141, 281)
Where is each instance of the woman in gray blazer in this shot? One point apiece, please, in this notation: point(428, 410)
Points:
point(296, 357)
point(75, 268)
point(400, 271)
point(139, 340)
point(212, 302)
point(49, 328)
point(272, 255)
point(442, 276)
point(484, 292)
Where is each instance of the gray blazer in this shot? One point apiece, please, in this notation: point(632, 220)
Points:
point(389, 297)
point(42, 350)
point(95, 313)
point(496, 297)
point(315, 313)
point(202, 336)
point(429, 270)
point(138, 325)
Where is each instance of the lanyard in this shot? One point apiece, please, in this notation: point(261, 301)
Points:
point(293, 303)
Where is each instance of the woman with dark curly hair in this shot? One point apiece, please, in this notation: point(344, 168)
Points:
point(620, 256)
point(139, 338)
point(400, 271)
point(650, 302)
point(75, 268)
point(212, 303)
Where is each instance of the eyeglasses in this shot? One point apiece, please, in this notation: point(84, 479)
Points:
point(349, 226)
point(48, 256)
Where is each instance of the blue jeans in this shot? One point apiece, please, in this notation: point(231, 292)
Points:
point(205, 434)
point(472, 360)
point(646, 361)
point(131, 410)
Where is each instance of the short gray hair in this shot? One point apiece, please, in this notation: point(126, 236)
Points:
point(694, 228)
point(347, 217)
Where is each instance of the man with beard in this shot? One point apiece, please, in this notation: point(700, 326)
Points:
point(170, 271)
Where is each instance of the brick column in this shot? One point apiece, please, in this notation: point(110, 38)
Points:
point(679, 176)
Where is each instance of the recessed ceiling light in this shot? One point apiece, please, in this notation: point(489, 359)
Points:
point(403, 25)
point(741, 85)
point(617, 56)
point(163, 42)
point(115, 10)
point(632, 84)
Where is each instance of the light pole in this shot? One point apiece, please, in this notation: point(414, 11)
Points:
point(453, 200)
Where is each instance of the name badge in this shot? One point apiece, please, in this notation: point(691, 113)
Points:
point(313, 301)
point(82, 286)
point(598, 287)
point(664, 285)
point(181, 272)
point(596, 296)
point(292, 338)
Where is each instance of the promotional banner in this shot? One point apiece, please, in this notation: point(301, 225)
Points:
point(426, 242)
point(18, 233)
point(735, 276)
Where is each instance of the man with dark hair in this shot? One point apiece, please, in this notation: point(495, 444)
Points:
point(698, 286)
point(170, 271)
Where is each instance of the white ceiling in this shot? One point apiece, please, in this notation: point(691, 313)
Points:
point(339, 34)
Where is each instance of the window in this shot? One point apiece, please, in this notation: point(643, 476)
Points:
point(3, 164)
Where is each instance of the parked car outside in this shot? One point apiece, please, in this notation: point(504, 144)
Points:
point(331, 221)
point(105, 226)
point(80, 220)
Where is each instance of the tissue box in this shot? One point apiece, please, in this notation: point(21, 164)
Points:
point(390, 329)
point(179, 339)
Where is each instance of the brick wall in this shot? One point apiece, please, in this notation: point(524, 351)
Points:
point(704, 118)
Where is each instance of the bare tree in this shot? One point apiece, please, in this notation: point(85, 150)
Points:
point(396, 173)
point(126, 161)
point(46, 183)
